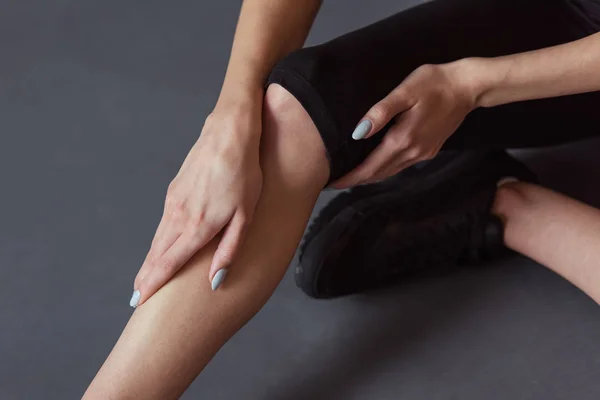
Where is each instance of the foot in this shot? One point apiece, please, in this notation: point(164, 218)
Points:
point(431, 217)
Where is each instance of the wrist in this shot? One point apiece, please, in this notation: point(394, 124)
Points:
point(241, 96)
point(240, 112)
point(477, 77)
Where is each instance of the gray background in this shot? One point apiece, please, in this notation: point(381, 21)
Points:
point(99, 103)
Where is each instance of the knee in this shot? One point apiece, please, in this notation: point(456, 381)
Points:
point(284, 118)
point(281, 105)
point(290, 141)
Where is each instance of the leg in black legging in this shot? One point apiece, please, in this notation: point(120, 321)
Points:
point(337, 82)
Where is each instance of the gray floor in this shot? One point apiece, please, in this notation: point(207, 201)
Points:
point(99, 103)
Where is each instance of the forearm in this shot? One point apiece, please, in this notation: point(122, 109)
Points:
point(267, 31)
point(566, 69)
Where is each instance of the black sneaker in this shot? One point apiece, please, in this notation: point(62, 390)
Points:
point(433, 216)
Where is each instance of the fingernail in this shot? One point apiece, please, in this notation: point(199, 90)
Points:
point(362, 129)
point(135, 299)
point(506, 180)
point(218, 279)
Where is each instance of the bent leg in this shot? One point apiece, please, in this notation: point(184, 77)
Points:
point(338, 81)
point(554, 230)
point(170, 338)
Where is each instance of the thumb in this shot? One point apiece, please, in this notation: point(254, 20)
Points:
point(381, 114)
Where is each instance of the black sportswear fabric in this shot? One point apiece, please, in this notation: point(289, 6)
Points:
point(338, 81)
point(588, 10)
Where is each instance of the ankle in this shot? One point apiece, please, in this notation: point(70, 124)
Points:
point(511, 204)
point(511, 197)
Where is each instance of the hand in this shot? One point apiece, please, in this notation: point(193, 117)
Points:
point(216, 190)
point(429, 105)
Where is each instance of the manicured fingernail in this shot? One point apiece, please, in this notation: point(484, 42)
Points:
point(135, 299)
point(506, 180)
point(218, 279)
point(362, 130)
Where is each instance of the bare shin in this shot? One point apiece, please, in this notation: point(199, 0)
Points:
point(171, 337)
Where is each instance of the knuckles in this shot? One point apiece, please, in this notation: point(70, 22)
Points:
point(225, 255)
point(398, 141)
point(174, 204)
point(428, 70)
point(381, 111)
point(414, 153)
point(197, 222)
point(168, 265)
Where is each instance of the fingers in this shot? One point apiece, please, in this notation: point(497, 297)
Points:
point(404, 160)
point(396, 102)
point(378, 158)
point(380, 114)
point(166, 234)
point(229, 246)
point(164, 268)
point(395, 142)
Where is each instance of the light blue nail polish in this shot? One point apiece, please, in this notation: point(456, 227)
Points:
point(218, 279)
point(135, 299)
point(362, 130)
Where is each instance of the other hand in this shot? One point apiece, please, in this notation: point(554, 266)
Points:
point(428, 106)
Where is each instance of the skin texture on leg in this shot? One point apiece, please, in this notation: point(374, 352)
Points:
point(170, 338)
point(554, 230)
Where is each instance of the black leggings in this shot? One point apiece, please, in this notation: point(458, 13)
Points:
point(338, 81)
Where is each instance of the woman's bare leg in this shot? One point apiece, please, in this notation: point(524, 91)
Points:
point(554, 230)
point(170, 338)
